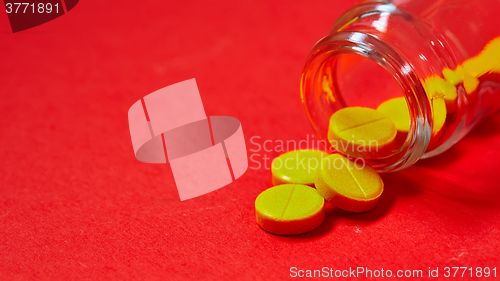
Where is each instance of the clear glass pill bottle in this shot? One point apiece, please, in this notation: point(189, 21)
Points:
point(442, 57)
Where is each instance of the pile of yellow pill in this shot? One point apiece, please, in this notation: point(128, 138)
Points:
point(303, 179)
point(295, 208)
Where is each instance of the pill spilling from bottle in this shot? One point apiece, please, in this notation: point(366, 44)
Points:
point(304, 179)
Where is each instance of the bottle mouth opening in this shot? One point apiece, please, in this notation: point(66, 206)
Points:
point(352, 69)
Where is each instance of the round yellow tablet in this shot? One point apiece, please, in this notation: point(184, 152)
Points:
point(397, 110)
point(348, 185)
point(298, 166)
point(361, 132)
point(289, 209)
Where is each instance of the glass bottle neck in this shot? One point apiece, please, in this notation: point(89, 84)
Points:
point(319, 108)
point(418, 47)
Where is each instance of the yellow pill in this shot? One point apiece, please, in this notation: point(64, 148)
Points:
point(348, 185)
point(437, 87)
point(471, 69)
point(361, 132)
point(485, 61)
point(397, 110)
point(470, 83)
point(456, 76)
point(299, 166)
point(496, 69)
point(289, 209)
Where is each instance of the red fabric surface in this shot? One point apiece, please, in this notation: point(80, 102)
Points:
point(76, 204)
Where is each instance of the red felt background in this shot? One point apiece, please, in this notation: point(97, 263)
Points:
point(75, 203)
